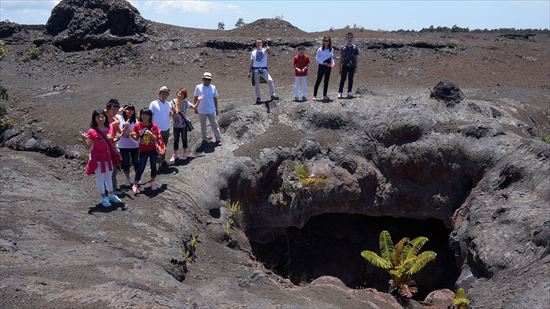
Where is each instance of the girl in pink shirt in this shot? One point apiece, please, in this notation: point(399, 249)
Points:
point(99, 140)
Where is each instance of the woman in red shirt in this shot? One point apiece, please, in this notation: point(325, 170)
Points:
point(148, 135)
point(99, 139)
point(301, 62)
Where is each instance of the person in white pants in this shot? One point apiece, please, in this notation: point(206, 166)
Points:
point(206, 105)
point(301, 62)
point(258, 66)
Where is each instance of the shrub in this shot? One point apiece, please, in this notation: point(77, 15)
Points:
point(221, 25)
point(447, 50)
point(86, 46)
point(33, 53)
point(307, 180)
point(401, 261)
point(129, 45)
point(239, 23)
point(460, 301)
point(545, 137)
point(3, 50)
point(190, 249)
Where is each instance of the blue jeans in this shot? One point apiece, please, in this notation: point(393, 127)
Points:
point(143, 156)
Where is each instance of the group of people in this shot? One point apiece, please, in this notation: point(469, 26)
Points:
point(120, 137)
point(325, 59)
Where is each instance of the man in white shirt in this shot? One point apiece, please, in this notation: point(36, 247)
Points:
point(162, 109)
point(258, 66)
point(206, 105)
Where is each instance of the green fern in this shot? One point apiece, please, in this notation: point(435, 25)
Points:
point(386, 245)
point(400, 261)
point(461, 301)
point(301, 171)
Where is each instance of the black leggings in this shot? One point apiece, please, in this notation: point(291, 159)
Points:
point(183, 133)
point(346, 71)
point(127, 154)
point(322, 71)
point(143, 156)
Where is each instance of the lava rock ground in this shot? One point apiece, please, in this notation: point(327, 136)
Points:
point(59, 249)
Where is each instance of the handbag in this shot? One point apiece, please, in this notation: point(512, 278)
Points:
point(187, 122)
point(115, 155)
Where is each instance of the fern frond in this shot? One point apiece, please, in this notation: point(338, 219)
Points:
point(301, 171)
point(386, 245)
point(460, 298)
point(421, 261)
point(375, 259)
point(397, 250)
point(413, 247)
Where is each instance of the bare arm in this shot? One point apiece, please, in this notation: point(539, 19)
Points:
point(196, 104)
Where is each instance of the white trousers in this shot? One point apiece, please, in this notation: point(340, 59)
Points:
point(267, 78)
point(297, 81)
point(103, 180)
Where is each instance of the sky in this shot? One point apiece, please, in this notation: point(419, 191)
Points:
point(319, 15)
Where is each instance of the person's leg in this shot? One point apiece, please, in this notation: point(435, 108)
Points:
point(343, 76)
point(270, 82)
point(152, 155)
point(184, 142)
point(318, 81)
point(100, 180)
point(257, 83)
point(202, 118)
point(142, 164)
point(327, 79)
point(165, 137)
point(296, 87)
point(109, 182)
point(304, 86)
point(215, 127)
point(177, 132)
point(125, 154)
point(134, 154)
point(113, 178)
point(351, 73)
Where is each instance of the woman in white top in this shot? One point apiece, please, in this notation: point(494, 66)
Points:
point(129, 147)
point(325, 58)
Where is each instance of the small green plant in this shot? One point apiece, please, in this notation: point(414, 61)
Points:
point(129, 45)
point(33, 53)
point(3, 50)
point(86, 46)
point(3, 93)
point(190, 249)
point(308, 180)
point(228, 225)
point(545, 137)
point(461, 301)
point(447, 50)
point(401, 261)
point(235, 213)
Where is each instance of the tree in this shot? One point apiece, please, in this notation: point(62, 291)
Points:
point(401, 261)
point(239, 23)
point(221, 25)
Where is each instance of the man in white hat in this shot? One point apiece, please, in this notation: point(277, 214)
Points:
point(206, 105)
point(162, 109)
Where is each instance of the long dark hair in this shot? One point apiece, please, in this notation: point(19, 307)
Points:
point(147, 112)
point(130, 107)
point(93, 123)
point(329, 42)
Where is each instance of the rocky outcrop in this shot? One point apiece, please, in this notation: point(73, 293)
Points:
point(411, 158)
point(448, 92)
point(84, 24)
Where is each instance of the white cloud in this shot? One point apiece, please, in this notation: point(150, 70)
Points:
point(188, 6)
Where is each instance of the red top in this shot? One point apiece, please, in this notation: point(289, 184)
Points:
point(146, 143)
point(100, 151)
point(301, 62)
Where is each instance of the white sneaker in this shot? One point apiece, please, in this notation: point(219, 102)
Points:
point(339, 95)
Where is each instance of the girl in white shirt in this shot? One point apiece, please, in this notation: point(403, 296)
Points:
point(325, 58)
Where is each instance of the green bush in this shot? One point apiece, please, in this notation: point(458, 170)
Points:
point(3, 50)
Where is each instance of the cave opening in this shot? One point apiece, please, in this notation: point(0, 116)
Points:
point(330, 244)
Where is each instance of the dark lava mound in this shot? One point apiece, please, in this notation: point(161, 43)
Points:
point(83, 24)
